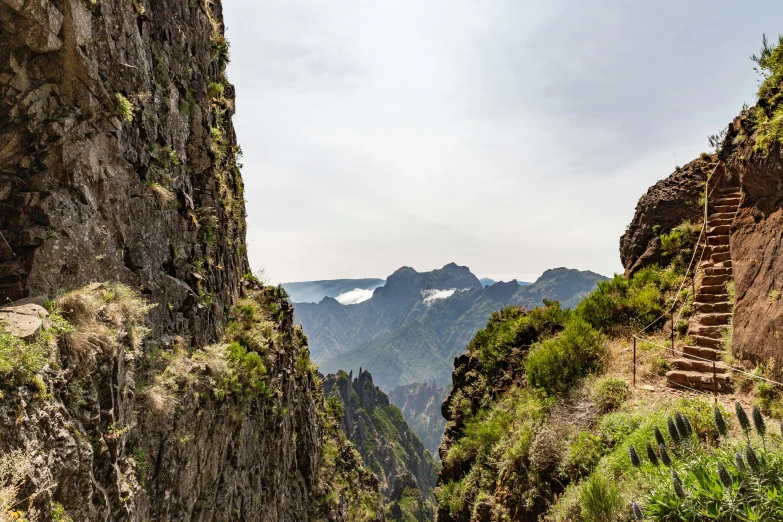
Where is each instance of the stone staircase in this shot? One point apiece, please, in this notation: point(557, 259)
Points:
point(712, 306)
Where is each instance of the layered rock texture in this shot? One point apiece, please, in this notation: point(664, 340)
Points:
point(386, 443)
point(118, 156)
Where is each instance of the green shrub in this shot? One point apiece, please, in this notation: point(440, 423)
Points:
point(621, 303)
point(556, 364)
point(512, 327)
point(125, 108)
point(600, 499)
point(609, 393)
point(585, 452)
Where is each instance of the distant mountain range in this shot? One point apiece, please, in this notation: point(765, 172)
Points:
point(414, 325)
point(314, 291)
point(486, 281)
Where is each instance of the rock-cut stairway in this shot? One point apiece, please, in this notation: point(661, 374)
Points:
point(711, 305)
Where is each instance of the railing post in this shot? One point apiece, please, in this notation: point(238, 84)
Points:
point(714, 383)
point(672, 331)
point(634, 361)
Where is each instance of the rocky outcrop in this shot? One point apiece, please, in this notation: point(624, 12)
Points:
point(756, 237)
point(388, 446)
point(420, 405)
point(113, 430)
point(118, 156)
point(666, 204)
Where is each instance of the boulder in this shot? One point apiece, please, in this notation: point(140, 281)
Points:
point(24, 321)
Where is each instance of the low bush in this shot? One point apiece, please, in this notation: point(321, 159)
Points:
point(609, 393)
point(555, 364)
point(621, 304)
point(600, 499)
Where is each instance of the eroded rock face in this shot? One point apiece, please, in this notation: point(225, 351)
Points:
point(665, 205)
point(386, 443)
point(756, 237)
point(116, 163)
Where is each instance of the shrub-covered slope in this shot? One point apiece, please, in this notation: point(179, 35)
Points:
point(386, 443)
point(97, 424)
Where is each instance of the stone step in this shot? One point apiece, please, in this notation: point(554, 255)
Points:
point(718, 230)
point(711, 354)
point(707, 342)
point(697, 365)
point(729, 196)
point(720, 215)
point(717, 270)
point(713, 308)
point(718, 249)
point(698, 380)
point(712, 319)
point(721, 279)
point(723, 239)
point(720, 221)
point(724, 209)
point(711, 289)
point(712, 298)
point(707, 331)
point(721, 257)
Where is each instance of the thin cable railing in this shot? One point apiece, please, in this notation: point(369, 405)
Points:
point(702, 233)
point(691, 270)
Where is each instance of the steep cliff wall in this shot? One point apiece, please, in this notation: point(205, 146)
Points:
point(378, 429)
point(118, 157)
point(756, 233)
point(109, 429)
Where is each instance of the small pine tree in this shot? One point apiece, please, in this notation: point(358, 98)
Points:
point(720, 422)
point(677, 483)
point(651, 454)
point(742, 418)
point(660, 440)
point(753, 460)
point(680, 424)
point(725, 476)
point(739, 463)
point(758, 421)
point(635, 460)
point(664, 455)
point(673, 433)
point(688, 426)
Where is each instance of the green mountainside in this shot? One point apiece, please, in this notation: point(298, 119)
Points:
point(406, 471)
point(403, 340)
point(420, 405)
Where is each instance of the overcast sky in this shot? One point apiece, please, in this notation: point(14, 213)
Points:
point(510, 136)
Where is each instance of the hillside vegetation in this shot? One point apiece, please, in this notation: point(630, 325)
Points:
point(543, 423)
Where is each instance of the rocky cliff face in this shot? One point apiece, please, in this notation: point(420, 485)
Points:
point(118, 162)
point(118, 157)
point(111, 429)
point(666, 204)
point(756, 233)
point(387, 445)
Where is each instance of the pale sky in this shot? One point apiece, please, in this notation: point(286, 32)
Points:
point(510, 136)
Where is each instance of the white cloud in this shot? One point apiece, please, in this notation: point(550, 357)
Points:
point(355, 296)
point(430, 296)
